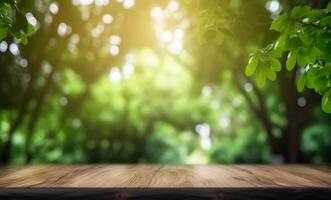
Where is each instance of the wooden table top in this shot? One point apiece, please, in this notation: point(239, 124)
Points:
point(165, 176)
point(222, 179)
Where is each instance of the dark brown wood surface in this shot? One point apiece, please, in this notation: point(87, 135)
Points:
point(165, 181)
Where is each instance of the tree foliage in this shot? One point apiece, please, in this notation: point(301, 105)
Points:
point(14, 22)
point(240, 28)
point(154, 81)
point(305, 43)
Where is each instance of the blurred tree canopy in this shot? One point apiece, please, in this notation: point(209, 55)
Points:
point(128, 81)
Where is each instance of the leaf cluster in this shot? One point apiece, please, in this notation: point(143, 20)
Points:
point(213, 22)
point(305, 41)
point(14, 22)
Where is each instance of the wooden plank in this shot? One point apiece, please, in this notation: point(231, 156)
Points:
point(158, 181)
point(168, 176)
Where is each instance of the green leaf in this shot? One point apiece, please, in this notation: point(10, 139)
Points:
point(328, 52)
point(329, 7)
point(306, 38)
point(294, 44)
point(291, 60)
point(299, 12)
point(31, 30)
point(11, 2)
point(316, 52)
point(251, 67)
point(20, 35)
point(5, 8)
point(326, 21)
point(24, 39)
point(21, 22)
point(271, 74)
point(275, 64)
point(302, 58)
point(301, 82)
point(316, 15)
point(279, 24)
point(311, 76)
point(261, 78)
point(327, 68)
point(326, 102)
point(3, 32)
point(283, 39)
point(6, 21)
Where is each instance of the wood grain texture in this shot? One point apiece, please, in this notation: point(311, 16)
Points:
point(165, 182)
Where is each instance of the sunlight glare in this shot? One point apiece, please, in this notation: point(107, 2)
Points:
point(166, 36)
point(128, 69)
point(157, 13)
point(173, 6)
point(114, 50)
point(224, 122)
point(248, 87)
point(205, 143)
point(74, 39)
point(215, 104)
point(172, 40)
point(107, 19)
point(127, 4)
point(3, 46)
point(115, 75)
point(204, 132)
point(130, 58)
point(54, 8)
point(23, 62)
point(175, 47)
point(63, 29)
point(273, 6)
point(31, 19)
point(82, 2)
point(98, 30)
point(63, 101)
point(206, 91)
point(13, 48)
point(99, 3)
point(179, 33)
point(301, 101)
point(115, 40)
point(48, 18)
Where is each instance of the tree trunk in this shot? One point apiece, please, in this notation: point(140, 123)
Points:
point(35, 115)
point(7, 146)
point(297, 117)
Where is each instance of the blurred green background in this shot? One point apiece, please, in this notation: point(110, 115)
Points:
point(132, 81)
